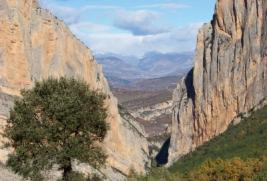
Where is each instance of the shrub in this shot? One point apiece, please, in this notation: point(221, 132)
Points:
point(231, 170)
point(155, 174)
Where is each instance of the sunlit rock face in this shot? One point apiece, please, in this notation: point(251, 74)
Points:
point(35, 45)
point(229, 75)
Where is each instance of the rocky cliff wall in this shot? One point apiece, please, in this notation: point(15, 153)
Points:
point(229, 75)
point(35, 45)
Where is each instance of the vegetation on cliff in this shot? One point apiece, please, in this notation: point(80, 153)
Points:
point(55, 123)
point(238, 154)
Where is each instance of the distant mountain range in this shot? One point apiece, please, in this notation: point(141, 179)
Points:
point(124, 70)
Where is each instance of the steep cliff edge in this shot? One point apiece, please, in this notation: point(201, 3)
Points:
point(229, 75)
point(35, 45)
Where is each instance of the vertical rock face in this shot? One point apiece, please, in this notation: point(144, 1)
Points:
point(35, 45)
point(229, 75)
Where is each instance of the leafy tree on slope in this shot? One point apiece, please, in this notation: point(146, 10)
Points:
point(56, 122)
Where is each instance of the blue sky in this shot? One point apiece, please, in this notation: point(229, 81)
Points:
point(134, 27)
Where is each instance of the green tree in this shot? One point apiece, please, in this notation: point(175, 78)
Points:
point(56, 122)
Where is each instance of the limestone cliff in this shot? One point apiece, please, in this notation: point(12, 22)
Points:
point(229, 75)
point(35, 45)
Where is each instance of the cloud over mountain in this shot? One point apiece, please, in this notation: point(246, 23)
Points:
point(177, 40)
point(141, 22)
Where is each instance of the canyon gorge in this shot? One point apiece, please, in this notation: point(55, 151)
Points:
point(228, 80)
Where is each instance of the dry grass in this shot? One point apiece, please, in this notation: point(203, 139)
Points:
point(7, 175)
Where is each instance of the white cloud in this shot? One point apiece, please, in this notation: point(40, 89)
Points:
point(139, 22)
point(178, 40)
point(89, 27)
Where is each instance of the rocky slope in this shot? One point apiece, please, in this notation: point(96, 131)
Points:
point(151, 112)
point(35, 45)
point(156, 120)
point(229, 75)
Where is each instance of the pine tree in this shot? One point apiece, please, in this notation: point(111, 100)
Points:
point(56, 122)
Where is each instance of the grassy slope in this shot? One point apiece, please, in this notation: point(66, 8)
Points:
point(247, 140)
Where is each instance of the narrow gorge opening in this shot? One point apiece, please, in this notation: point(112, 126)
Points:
point(145, 49)
point(162, 156)
point(148, 98)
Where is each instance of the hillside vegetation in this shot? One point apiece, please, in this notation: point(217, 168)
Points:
point(238, 154)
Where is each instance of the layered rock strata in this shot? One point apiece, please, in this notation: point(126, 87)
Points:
point(229, 75)
point(35, 45)
point(153, 111)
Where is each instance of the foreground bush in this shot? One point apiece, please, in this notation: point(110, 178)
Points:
point(231, 170)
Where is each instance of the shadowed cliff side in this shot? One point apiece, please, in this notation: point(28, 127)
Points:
point(229, 76)
point(35, 45)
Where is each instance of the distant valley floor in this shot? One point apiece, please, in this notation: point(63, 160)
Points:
point(149, 101)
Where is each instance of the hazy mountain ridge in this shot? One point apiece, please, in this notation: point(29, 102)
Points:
point(152, 65)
